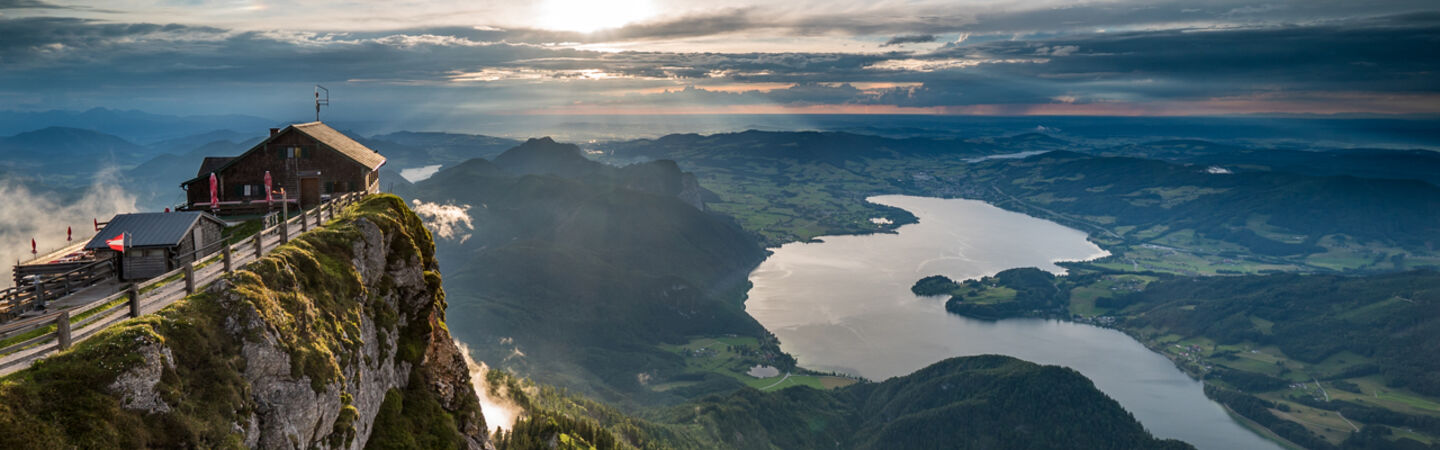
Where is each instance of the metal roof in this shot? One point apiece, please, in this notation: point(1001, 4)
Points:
point(150, 229)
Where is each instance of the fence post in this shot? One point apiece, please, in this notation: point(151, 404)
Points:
point(189, 279)
point(284, 231)
point(62, 329)
point(259, 243)
point(304, 221)
point(229, 263)
point(134, 293)
point(40, 291)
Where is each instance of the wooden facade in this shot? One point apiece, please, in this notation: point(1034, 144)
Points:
point(159, 242)
point(141, 263)
point(311, 162)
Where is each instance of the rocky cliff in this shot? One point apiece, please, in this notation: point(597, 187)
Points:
point(336, 340)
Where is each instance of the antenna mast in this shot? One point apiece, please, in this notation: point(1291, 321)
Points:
point(320, 101)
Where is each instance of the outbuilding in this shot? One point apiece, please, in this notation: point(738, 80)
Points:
point(158, 242)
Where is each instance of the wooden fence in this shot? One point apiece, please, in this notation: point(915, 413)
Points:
point(26, 340)
point(39, 289)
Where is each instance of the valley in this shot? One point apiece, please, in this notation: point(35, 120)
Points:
point(648, 285)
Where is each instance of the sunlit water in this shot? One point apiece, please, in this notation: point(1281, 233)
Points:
point(845, 305)
point(418, 174)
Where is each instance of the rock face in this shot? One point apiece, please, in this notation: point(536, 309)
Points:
point(303, 349)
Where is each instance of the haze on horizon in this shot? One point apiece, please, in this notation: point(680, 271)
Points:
point(422, 59)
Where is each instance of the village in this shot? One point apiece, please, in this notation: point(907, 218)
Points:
point(237, 208)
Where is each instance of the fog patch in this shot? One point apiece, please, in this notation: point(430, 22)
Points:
point(446, 221)
point(499, 410)
point(44, 216)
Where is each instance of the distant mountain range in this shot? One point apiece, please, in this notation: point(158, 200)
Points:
point(132, 125)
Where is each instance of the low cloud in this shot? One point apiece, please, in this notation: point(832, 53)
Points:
point(498, 407)
point(446, 221)
point(26, 215)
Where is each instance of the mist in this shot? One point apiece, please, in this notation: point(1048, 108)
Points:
point(446, 221)
point(499, 411)
point(26, 214)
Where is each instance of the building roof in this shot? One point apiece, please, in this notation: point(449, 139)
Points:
point(319, 131)
point(150, 229)
point(342, 143)
point(213, 163)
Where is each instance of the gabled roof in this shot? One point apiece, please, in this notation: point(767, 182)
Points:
point(319, 131)
point(150, 229)
point(341, 143)
point(213, 163)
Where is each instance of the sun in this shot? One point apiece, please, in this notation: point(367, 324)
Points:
point(586, 16)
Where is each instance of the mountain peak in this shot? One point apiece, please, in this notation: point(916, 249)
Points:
point(543, 155)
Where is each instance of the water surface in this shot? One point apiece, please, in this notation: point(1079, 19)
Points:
point(844, 304)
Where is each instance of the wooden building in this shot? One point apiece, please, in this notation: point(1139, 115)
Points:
point(311, 161)
point(158, 242)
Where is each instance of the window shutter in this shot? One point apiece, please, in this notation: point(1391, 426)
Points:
point(309, 151)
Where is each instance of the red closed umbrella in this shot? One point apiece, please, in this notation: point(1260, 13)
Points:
point(268, 198)
point(32, 246)
point(214, 192)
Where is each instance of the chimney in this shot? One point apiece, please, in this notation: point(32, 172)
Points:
point(274, 131)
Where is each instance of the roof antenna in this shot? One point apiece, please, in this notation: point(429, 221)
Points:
point(320, 101)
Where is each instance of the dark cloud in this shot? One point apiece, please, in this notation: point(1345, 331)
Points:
point(27, 4)
point(1376, 56)
point(909, 39)
point(1085, 17)
point(1392, 55)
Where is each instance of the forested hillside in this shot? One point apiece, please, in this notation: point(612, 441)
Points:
point(979, 402)
point(575, 272)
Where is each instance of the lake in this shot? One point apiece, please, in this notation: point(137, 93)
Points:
point(844, 304)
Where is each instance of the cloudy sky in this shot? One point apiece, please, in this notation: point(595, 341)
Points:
point(1104, 57)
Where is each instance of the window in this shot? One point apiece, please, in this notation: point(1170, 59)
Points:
point(247, 190)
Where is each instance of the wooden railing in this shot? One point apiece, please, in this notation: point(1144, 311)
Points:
point(42, 288)
point(24, 341)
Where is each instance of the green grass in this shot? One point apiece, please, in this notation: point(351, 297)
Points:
point(729, 356)
point(986, 294)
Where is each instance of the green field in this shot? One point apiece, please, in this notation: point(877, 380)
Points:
point(733, 356)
